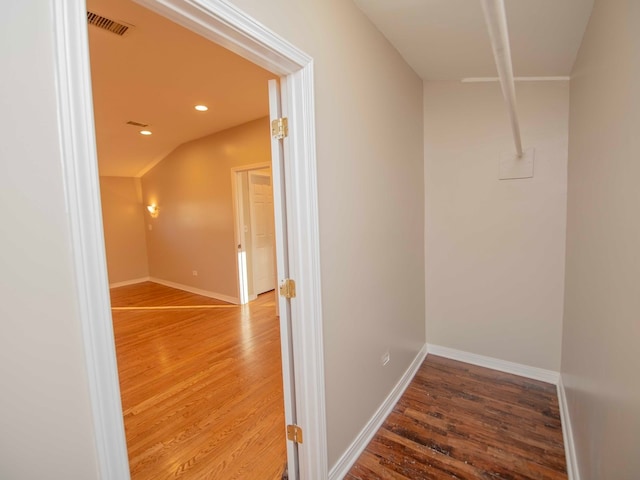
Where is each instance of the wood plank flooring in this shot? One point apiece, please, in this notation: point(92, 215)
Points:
point(459, 421)
point(201, 387)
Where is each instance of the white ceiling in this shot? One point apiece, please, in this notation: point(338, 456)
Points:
point(448, 39)
point(158, 71)
point(155, 74)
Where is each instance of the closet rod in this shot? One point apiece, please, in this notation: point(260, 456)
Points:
point(496, 17)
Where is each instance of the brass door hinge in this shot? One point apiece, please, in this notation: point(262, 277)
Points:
point(294, 433)
point(288, 288)
point(279, 128)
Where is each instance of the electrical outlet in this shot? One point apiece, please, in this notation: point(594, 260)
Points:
point(385, 358)
point(195, 273)
point(150, 227)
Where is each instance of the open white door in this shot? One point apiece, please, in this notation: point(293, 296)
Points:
point(282, 266)
point(263, 258)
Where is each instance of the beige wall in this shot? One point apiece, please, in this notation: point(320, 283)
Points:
point(370, 177)
point(602, 307)
point(495, 248)
point(45, 418)
point(124, 224)
point(369, 142)
point(195, 227)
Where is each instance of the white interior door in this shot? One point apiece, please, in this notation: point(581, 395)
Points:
point(282, 266)
point(262, 231)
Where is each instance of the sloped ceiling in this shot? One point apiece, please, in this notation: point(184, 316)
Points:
point(155, 74)
point(448, 39)
point(158, 71)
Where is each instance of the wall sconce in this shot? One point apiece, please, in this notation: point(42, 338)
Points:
point(153, 210)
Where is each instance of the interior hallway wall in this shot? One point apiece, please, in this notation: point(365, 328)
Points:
point(371, 203)
point(46, 427)
point(195, 226)
point(369, 126)
point(602, 306)
point(124, 224)
point(495, 248)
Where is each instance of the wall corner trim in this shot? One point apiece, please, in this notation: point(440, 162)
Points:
point(567, 434)
point(526, 371)
point(346, 461)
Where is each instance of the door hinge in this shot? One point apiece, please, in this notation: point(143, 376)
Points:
point(294, 433)
point(279, 128)
point(288, 288)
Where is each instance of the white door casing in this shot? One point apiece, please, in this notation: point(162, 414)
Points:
point(228, 26)
point(242, 230)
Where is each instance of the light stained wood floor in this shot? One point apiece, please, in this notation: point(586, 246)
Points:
point(201, 387)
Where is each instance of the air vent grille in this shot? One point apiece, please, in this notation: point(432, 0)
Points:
point(137, 124)
point(106, 24)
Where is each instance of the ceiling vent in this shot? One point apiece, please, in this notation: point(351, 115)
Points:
point(107, 24)
point(137, 124)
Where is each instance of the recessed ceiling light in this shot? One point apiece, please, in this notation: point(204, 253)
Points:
point(201, 108)
point(145, 132)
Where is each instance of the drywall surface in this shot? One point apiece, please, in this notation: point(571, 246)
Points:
point(194, 230)
point(45, 416)
point(495, 248)
point(370, 167)
point(602, 305)
point(370, 181)
point(124, 228)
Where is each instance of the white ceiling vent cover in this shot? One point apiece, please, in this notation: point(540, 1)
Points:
point(107, 24)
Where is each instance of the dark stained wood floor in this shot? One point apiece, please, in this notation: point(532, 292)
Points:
point(459, 421)
point(201, 385)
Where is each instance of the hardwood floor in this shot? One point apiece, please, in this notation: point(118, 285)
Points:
point(465, 422)
point(202, 398)
point(201, 385)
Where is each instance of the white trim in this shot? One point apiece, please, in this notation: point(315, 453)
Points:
point(304, 266)
point(349, 457)
point(126, 283)
point(197, 291)
point(517, 79)
point(253, 166)
point(573, 472)
point(82, 198)
point(228, 26)
point(534, 373)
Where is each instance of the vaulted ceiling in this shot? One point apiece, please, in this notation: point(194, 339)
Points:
point(158, 71)
point(447, 39)
point(155, 74)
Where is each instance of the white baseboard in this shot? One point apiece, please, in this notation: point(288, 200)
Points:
point(526, 371)
point(346, 461)
point(128, 282)
point(567, 434)
point(197, 291)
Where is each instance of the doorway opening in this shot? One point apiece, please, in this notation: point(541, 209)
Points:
point(255, 230)
point(226, 25)
point(191, 364)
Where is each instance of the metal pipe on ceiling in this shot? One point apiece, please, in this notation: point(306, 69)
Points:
point(496, 18)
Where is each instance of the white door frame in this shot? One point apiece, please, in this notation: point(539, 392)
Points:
point(228, 26)
point(241, 264)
